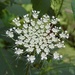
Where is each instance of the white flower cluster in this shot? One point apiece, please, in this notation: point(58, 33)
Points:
point(57, 56)
point(37, 36)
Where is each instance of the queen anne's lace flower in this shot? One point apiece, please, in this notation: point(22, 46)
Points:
point(35, 14)
point(10, 33)
point(31, 58)
point(17, 22)
point(57, 56)
point(35, 36)
point(55, 30)
point(54, 20)
point(18, 51)
point(26, 18)
point(43, 56)
point(64, 35)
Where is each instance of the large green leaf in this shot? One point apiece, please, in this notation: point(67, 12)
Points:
point(16, 10)
point(22, 1)
point(9, 65)
point(73, 6)
point(5, 67)
point(41, 5)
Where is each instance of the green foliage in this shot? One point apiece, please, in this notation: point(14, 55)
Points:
point(1, 23)
point(9, 65)
point(2, 6)
point(63, 69)
point(71, 22)
point(22, 1)
point(1, 43)
point(41, 5)
point(56, 6)
point(16, 10)
point(73, 6)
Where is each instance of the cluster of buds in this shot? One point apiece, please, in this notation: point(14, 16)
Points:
point(37, 36)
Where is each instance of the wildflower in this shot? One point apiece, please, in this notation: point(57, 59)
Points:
point(37, 36)
point(43, 56)
point(64, 35)
point(46, 50)
point(30, 49)
point(60, 45)
point(10, 34)
point(17, 22)
point(35, 14)
point(57, 56)
point(31, 58)
point(55, 30)
point(26, 18)
point(19, 51)
point(54, 20)
point(51, 46)
point(21, 37)
point(18, 30)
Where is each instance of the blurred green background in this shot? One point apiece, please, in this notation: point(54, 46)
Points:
point(9, 9)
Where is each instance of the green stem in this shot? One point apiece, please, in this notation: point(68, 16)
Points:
point(27, 69)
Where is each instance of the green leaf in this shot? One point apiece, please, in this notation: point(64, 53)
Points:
point(1, 23)
point(16, 10)
point(2, 6)
point(2, 0)
point(60, 68)
point(9, 65)
point(56, 5)
point(27, 7)
point(22, 1)
point(73, 6)
point(5, 67)
point(41, 5)
point(1, 43)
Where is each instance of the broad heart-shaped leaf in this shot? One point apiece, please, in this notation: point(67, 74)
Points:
point(73, 6)
point(41, 5)
point(16, 10)
point(9, 65)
